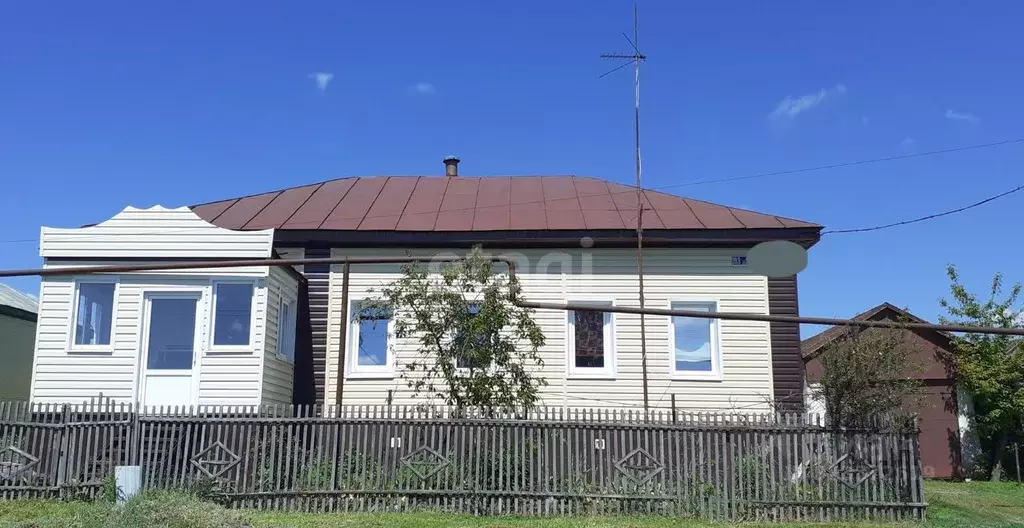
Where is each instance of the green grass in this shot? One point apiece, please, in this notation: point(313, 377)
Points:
point(951, 505)
point(974, 504)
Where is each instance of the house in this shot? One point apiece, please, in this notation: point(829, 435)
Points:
point(17, 334)
point(573, 238)
point(947, 443)
point(164, 338)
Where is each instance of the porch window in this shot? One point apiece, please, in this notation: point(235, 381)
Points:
point(695, 343)
point(94, 314)
point(370, 333)
point(172, 330)
point(232, 314)
point(591, 342)
point(286, 330)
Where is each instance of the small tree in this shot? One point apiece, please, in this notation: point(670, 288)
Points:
point(476, 347)
point(989, 367)
point(867, 373)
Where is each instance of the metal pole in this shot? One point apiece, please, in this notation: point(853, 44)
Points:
point(193, 264)
point(346, 272)
point(639, 206)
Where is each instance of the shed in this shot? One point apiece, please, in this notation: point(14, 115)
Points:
point(943, 412)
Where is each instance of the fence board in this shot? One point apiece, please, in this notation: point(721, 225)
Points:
point(558, 461)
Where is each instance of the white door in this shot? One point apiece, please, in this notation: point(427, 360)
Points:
point(168, 363)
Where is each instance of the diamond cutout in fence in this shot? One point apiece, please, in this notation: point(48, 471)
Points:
point(215, 460)
point(639, 466)
point(425, 462)
point(14, 462)
point(851, 470)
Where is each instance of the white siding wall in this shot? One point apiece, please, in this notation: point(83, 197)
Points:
point(690, 274)
point(278, 373)
point(59, 375)
point(156, 232)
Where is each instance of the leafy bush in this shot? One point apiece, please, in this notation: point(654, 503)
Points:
point(157, 509)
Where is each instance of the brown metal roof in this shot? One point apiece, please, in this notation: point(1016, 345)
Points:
point(437, 203)
point(811, 347)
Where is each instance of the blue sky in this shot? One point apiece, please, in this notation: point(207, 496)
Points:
point(106, 104)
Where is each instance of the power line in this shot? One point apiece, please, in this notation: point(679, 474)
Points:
point(632, 190)
point(851, 163)
point(923, 218)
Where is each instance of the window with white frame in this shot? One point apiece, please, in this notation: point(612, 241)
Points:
point(286, 330)
point(370, 332)
point(591, 342)
point(232, 314)
point(94, 315)
point(695, 342)
point(468, 345)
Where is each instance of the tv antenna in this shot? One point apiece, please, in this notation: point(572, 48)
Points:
point(635, 58)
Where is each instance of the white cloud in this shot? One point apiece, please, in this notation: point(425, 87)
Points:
point(908, 142)
point(322, 79)
point(423, 88)
point(790, 107)
point(962, 116)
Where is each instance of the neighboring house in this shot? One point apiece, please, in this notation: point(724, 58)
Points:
point(17, 334)
point(173, 338)
point(574, 239)
point(947, 444)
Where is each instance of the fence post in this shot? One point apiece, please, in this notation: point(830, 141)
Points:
point(1016, 457)
point(61, 449)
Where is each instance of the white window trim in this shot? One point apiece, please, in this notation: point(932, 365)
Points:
point(73, 319)
point(609, 370)
point(353, 370)
point(251, 346)
point(285, 301)
point(716, 344)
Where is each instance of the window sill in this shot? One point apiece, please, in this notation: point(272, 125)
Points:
point(231, 350)
point(370, 375)
point(99, 349)
point(285, 359)
point(693, 376)
point(590, 376)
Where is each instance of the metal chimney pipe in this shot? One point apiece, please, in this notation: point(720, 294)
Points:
point(451, 166)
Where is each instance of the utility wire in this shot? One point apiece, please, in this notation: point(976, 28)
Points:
point(850, 163)
point(632, 189)
point(923, 218)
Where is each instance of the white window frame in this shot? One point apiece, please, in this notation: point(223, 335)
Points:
point(353, 370)
point(282, 324)
point(73, 319)
point(609, 370)
point(251, 346)
point(715, 374)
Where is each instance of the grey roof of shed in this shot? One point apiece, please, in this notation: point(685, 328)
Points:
point(16, 303)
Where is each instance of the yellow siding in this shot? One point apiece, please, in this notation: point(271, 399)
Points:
point(606, 274)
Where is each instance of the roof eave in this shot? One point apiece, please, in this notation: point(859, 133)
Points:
point(805, 236)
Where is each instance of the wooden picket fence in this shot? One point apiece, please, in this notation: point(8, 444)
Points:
point(734, 467)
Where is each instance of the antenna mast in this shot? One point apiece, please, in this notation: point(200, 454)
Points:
point(636, 57)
